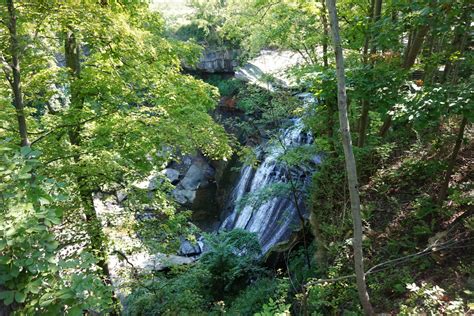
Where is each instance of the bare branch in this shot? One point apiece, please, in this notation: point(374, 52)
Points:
point(450, 244)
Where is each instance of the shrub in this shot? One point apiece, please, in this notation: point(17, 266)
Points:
point(431, 300)
point(229, 265)
point(232, 261)
point(252, 298)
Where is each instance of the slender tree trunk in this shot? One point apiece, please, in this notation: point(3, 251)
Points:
point(459, 43)
point(350, 162)
point(363, 123)
point(324, 20)
point(370, 16)
point(411, 36)
point(320, 254)
point(376, 12)
point(94, 227)
point(15, 82)
point(73, 62)
point(415, 47)
point(443, 192)
point(429, 69)
point(387, 123)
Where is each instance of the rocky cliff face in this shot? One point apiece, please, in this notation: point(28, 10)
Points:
point(216, 60)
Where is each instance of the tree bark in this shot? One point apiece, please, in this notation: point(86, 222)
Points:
point(370, 16)
point(415, 47)
point(443, 192)
point(73, 62)
point(459, 42)
point(363, 123)
point(376, 17)
point(350, 162)
point(375, 13)
point(94, 227)
point(15, 82)
point(324, 20)
point(412, 50)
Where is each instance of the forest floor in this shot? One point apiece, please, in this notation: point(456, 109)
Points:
point(427, 243)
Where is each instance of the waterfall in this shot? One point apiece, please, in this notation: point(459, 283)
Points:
point(272, 218)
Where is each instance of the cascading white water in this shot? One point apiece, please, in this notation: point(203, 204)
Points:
point(274, 218)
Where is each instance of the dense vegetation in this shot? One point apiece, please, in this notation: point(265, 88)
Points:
point(93, 98)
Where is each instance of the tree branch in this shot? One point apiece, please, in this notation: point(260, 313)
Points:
point(433, 248)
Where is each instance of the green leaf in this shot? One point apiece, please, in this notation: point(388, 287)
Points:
point(10, 232)
point(7, 297)
point(4, 260)
point(46, 300)
point(34, 287)
point(20, 297)
point(25, 150)
point(75, 311)
point(43, 201)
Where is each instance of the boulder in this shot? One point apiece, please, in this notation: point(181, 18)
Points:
point(172, 175)
point(151, 182)
point(189, 249)
point(184, 197)
point(121, 195)
point(194, 178)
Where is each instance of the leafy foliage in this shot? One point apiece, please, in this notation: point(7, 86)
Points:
point(31, 272)
point(228, 266)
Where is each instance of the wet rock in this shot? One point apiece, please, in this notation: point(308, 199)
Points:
point(161, 262)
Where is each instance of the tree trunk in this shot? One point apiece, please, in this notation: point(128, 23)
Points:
point(375, 11)
point(443, 192)
point(370, 16)
point(73, 62)
point(15, 82)
point(376, 17)
point(459, 43)
point(324, 20)
point(363, 123)
point(415, 47)
point(350, 162)
point(412, 52)
point(94, 228)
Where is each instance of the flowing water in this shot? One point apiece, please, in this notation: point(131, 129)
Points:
point(272, 218)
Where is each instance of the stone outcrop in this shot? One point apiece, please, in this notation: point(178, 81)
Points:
point(216, 60)
point(192, 177)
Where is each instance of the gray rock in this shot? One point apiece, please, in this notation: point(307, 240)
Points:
point(184, 197)
point(151, 183)
point(171, 174)
point(121, 195)
point(189, 249)
point(193, 178)
point(216, 60)
point(160, 262)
